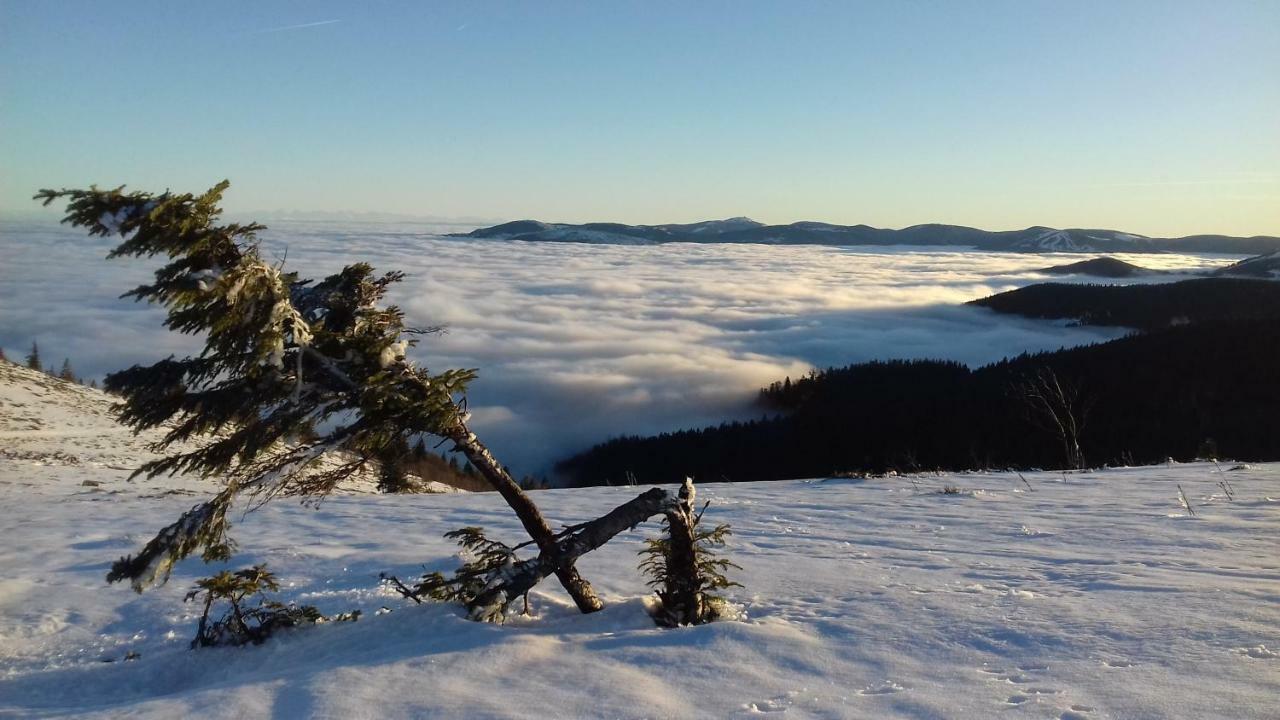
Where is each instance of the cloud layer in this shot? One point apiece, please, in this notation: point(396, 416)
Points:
point(578, 343)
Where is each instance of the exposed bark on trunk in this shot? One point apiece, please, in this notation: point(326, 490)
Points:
point(521, 577)
point(682, 601)
point(584, 596)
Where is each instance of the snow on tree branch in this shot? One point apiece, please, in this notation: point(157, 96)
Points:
point(284, 358)
point(292, 370)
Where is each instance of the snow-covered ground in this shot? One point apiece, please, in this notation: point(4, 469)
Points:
point(1088, 595)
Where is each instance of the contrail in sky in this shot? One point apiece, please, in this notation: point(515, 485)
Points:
point(294, 27)
point(1206, 181)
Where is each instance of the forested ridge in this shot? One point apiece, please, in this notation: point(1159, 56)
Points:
point(1203, 381)
point(1144, 307)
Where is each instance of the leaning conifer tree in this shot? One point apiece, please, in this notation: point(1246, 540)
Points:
point(292, 370)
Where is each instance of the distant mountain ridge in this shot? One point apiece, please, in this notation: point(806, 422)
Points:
point(746, 230)
point(1265, 266)
point(1146, 307)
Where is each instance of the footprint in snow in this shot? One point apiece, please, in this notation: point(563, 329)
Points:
point(888, 687)
point(1038, 690)
point(1077, 712)
point(1260, 652)
point(1117, 663)
point(778, 704)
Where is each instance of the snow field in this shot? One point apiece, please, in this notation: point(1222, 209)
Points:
point(1086, 595)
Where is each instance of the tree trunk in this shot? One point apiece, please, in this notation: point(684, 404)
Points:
point(682, 603)
point(524, 575)
point(530, 516)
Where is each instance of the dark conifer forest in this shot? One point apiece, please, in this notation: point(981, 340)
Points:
point(1200, 380)
point(1145, 307)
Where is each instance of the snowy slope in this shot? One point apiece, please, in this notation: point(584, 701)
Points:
point(1262, 266)
point(714, 227)
point(51, 422)
point(1075, 241)
point(597, 237)
point(1055, 241)
point(1088, 595)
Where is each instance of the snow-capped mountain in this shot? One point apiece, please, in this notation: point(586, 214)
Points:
point(1035, 239)
point(713, 227)
point(1051, 240)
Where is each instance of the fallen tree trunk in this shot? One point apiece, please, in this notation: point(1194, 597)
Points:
point(584, 596)
point(517, 579)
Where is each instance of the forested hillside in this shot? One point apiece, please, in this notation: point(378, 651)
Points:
point(1143, 306)
point(1207, 389)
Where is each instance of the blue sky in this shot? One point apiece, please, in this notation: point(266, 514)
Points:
point(1154, 117)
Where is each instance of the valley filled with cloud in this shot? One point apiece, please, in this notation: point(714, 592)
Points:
point(576, 343)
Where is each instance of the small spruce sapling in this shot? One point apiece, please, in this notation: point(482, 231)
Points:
point(250, 616)
point(684, 567)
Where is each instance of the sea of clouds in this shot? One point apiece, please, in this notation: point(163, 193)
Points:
point(578, 343)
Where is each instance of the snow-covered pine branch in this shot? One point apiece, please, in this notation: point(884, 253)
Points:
point(287, 358)
point(283, 358)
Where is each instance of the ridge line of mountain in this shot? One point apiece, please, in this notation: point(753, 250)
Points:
point(745, 230)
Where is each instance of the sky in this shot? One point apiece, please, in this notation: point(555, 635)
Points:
point(1158, 117)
